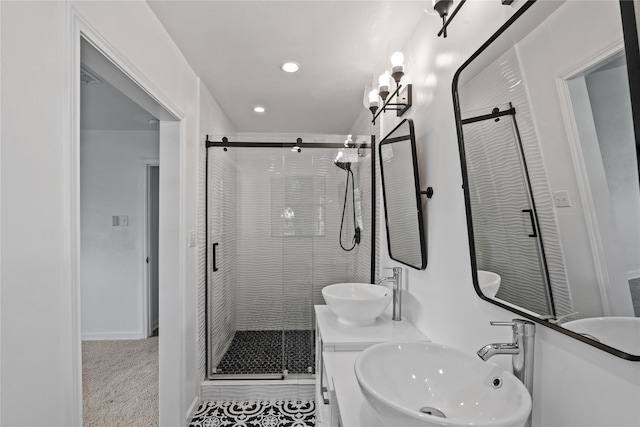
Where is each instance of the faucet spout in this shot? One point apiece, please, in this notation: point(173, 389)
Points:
point(490, 350)
point(384, 279)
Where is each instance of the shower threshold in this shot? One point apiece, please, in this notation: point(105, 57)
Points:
point(259, 355)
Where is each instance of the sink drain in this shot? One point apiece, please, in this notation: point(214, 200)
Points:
point(432, 411)
point(496, 382)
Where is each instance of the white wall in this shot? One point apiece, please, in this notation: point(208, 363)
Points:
point(113, 182)
point(571, 378)
point(35, 302)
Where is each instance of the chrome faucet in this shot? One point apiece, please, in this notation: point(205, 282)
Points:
point(396, 279)
point(521, 349)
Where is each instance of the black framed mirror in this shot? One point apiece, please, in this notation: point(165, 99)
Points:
point(401, 196)
point(545, 119)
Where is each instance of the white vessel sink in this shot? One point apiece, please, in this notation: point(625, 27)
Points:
point(357, 304)
point(622, 333)
point(425, 384)
point(489, 283)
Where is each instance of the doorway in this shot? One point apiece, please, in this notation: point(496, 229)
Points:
point(152, 204)
point(604, 155)
point(119, 245)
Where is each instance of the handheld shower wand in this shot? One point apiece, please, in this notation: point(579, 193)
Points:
point(356, 237)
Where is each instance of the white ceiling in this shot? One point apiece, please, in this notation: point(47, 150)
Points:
point(103, 107)
point(237, 48)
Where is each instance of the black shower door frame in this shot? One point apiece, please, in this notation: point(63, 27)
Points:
point(299, 144)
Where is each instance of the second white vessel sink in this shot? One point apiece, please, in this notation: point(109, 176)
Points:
point(619, 332)
point(489, 283)
point(357, 304)
point(418, 384)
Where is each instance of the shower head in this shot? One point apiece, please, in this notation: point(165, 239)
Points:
point(339, 161)
point(343, 165)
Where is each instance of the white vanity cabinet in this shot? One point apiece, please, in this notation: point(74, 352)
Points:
point(339, 401)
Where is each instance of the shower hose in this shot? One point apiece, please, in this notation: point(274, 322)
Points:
point(356, 237)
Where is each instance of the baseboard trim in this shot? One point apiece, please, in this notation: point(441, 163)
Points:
point(191, 412)
point(113, 336)
point(235, 390)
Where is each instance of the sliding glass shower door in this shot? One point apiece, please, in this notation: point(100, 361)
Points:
point(507, 235)
point(273, 216)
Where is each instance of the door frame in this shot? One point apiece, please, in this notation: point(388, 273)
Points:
point(598, 250)
point(148, 165)
point(172, 280)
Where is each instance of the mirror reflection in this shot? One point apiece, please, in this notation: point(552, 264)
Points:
point(401, 193)
point(553, 195)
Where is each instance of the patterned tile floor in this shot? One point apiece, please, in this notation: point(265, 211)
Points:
point(260, 352)
point(299, 413)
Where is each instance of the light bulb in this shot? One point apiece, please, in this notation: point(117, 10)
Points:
point(373, 98)
point(384, 79)
point(397, 59)
point(259, 109)
point(397, 71)
point(383, 89)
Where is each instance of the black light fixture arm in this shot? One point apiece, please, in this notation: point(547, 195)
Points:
point(442, 11)
point(446, 21)
point(400, 107)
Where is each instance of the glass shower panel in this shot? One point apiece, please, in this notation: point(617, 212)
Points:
point(244, 200)
point(503, 212)
point(300, 226)
point(222, 191)
point(260, 272)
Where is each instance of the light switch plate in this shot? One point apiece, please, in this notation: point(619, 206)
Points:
point(561, 199)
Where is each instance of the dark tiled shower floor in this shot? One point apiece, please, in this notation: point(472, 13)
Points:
point(260, 352)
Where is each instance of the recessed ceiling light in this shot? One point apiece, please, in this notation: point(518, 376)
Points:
point(290, 67)
point(259, 109)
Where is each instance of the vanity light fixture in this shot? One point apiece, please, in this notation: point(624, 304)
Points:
point(443, 6)
point(402, 94)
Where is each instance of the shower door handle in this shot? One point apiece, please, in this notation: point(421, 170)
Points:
point(533, 224)
point(215, 266)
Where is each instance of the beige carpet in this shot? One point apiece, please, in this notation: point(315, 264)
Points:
point(120, 383)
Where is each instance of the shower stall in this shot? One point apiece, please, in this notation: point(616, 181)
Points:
point(285, 216)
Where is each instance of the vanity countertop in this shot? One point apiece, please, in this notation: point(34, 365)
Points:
point(339, 337)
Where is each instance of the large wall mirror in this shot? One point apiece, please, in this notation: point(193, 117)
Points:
point(401, 193)
point(550, 168)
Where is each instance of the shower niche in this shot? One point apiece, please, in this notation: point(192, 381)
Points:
point(275, 207)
